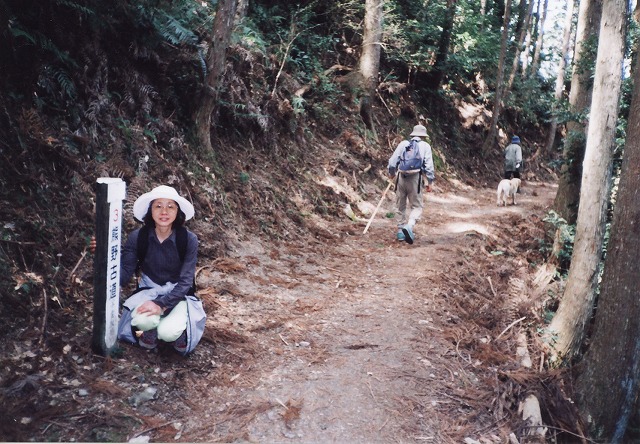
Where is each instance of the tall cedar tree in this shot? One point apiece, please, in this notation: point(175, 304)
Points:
point(608, 386)
point(568, 325)
point(559, 87)
point(370, 59)
point(497, 105)
point(568, 195)
point(216, 56)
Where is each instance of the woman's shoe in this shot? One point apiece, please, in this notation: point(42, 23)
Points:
point(181, 343)
point(148, 339)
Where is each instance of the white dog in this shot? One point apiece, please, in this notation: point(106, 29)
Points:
point(507, 188)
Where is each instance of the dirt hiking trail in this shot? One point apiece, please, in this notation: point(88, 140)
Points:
point(369, 339)
point(343, 338)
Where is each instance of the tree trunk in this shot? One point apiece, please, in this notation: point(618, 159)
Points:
point(516, 58)
point(520, 21)
point(483, 15)
point(370, 59)
point(577, 303)
point(216, 59)
point(527, 41)
point(566, 40)
point(241, 9)
point(608, 387)
point(488, 144)
point(568, 195)
point(535, 64)
point(443, 46)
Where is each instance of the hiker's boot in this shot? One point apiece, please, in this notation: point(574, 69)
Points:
point(408, 234)
point(400, 236)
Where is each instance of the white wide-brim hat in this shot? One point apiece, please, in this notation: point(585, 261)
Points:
point(141, 205)
point(419, 131)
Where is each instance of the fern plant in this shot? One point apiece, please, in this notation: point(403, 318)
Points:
point(42, 43)
point(172, 31)
point(179, 23)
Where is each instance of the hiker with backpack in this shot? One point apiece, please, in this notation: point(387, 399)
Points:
point(411, 160)
point(164, 253)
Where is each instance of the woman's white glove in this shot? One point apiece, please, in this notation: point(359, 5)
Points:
point(144, 322)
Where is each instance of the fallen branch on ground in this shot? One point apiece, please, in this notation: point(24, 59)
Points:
point(511, 325)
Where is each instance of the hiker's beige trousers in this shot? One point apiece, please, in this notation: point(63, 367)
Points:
point(407, 192)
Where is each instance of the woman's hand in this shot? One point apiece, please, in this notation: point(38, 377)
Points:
point(149, 308)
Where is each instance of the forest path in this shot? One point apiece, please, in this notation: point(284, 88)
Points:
point(341, 337)
point(361, 340)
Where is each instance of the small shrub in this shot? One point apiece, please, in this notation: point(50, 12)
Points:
point(567, 235)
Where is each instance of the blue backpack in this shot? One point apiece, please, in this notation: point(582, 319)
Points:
point(411, 158)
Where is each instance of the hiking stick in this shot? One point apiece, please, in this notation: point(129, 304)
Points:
point(378, 207)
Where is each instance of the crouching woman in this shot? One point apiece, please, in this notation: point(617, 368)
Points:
point(164, 253)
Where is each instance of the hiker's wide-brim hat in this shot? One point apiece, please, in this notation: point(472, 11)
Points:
point(141, 205)
point(419, 131)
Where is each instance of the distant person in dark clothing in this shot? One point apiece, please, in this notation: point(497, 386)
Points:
point(513, 159)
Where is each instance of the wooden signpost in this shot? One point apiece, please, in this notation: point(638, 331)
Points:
point(110, 192)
